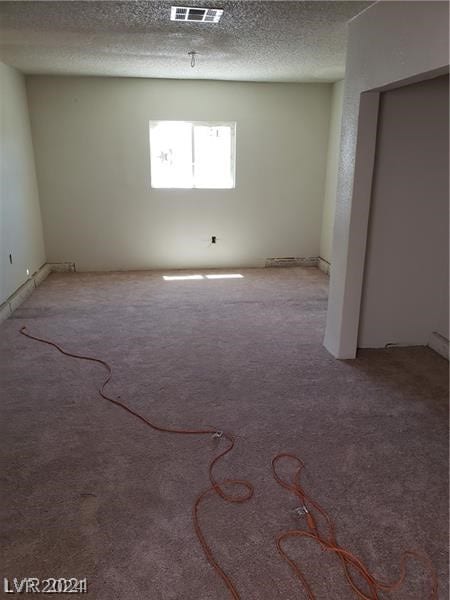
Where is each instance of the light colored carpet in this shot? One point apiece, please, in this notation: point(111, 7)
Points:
point(90, 492)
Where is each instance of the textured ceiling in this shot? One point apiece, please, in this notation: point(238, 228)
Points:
point(254, 41)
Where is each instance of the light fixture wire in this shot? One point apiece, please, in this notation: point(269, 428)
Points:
point(192, 54)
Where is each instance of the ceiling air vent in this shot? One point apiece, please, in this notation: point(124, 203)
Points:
point(196, 15)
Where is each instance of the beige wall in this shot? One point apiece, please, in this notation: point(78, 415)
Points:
point(92, 149)
point(405, 297)
point(20, 218)
point(388, 43)
point(329, 205)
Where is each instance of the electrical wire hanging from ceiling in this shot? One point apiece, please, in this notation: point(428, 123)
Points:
point(192, 54)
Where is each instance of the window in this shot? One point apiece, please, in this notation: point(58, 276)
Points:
point(186, 154)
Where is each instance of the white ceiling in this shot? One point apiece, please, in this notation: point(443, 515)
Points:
point(254, 41)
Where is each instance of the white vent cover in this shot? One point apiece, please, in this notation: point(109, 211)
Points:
point(196, 15)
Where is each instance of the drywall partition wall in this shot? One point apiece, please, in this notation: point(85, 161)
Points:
point(406, 272)
point(92, 147)
point(329, 204)
point(389, 43)
point(21, 239)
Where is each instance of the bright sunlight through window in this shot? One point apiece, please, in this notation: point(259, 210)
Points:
point(225, 276)
point(181, 277)
point(186, 154)
point(196, 277)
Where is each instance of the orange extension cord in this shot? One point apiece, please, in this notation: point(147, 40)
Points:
point(328, 542)
point(215, 485)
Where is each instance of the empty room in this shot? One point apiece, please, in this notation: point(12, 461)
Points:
point(224, 299)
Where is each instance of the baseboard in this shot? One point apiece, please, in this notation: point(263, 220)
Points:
point(27, 288)
point(22, 293)
point(324, 265)
point(41, 274)
point(439, 344)
point(292, 261)
point(64, 267)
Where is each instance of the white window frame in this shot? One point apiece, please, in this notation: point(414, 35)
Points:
point(231, 124)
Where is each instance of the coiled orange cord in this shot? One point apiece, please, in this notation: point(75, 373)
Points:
point(328, 542)
point(215, 485)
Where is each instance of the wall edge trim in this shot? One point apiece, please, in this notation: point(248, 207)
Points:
point(439, 344)
point(26, 289)
point(292, 261)
point(324, 266)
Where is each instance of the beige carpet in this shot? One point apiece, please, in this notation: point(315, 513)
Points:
point(87, 491)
